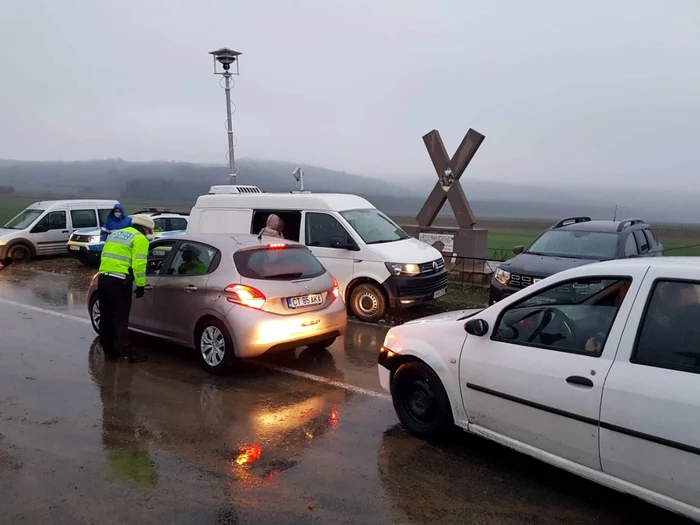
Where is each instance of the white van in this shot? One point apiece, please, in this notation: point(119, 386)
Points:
point(44, 227)
point(376, 263)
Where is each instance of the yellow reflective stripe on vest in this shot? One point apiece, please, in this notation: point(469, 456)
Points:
point(117, 257)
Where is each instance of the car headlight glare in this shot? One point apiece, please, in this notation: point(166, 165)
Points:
point(95, 238)
point(502, 276)
point(403, 269)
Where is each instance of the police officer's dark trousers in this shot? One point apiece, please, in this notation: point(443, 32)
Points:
point(115, 304)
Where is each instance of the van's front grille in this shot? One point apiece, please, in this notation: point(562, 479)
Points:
point(432, 266)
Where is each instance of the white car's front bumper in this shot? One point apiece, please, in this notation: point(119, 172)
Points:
point(384, 378)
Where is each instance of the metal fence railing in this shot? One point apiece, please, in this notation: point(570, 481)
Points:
point(472, 272)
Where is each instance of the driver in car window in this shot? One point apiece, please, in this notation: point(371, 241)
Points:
point(191, 264)
point(594, 345)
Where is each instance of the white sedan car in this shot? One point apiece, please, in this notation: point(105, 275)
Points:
point(595, 370)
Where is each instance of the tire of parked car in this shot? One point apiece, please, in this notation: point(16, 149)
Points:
point(367, 302)
point(420, 401)
point(20, 253)
point(322, 345)
point(95, 312)
point(215, 346)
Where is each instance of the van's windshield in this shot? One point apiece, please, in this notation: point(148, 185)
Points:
point(24, 219)
point(373, 226)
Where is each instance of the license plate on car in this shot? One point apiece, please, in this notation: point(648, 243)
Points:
point(74, 248)
point(439, 293)
point(304, 300)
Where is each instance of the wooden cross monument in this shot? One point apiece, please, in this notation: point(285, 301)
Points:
point(449, 170)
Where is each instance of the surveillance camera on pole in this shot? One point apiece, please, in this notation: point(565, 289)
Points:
point(299, 176)
point(227, 58)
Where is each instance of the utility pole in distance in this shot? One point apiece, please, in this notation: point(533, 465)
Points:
point(228, 57)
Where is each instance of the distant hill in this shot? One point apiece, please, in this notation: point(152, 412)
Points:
point(179, 183)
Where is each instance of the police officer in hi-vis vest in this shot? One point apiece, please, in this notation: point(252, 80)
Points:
point(123, 264)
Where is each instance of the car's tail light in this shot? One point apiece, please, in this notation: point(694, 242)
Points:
point(94, 280)
point(277, 246)
point(245, 296)
point(336, 287)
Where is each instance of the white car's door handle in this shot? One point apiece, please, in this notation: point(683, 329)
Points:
point(190, 288)
point(578, 380)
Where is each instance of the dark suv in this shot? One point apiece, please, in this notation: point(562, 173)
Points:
point(572, 242)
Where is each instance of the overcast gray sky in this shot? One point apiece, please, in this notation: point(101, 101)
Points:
point(605, 91)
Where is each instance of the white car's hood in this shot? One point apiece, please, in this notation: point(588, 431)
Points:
point(405, 251)
point(6, 232)
point(447, 316)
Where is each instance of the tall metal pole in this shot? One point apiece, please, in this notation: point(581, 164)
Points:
point(229, 128)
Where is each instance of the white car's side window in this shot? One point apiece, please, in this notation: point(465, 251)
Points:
point(669, 336)
point(574, 316)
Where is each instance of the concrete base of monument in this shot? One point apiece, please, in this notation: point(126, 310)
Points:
point(452, 242)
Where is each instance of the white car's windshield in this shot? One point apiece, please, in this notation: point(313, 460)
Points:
point(24, 219)
point(373, 226)
point(574, 243)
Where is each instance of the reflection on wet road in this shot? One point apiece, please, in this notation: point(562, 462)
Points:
point(88, 441)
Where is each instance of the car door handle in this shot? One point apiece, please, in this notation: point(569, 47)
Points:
point(65, 231)
point(578, 380)
point(148, 287)
point(191, 288)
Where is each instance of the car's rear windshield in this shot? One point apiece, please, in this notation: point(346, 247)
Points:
point(292, 262)
point(575, 243)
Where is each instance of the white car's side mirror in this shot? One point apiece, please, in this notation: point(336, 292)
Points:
point(477, 327)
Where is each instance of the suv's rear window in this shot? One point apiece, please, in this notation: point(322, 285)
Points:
point(278, 264)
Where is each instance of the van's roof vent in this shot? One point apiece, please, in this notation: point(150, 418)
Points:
point(232, 189)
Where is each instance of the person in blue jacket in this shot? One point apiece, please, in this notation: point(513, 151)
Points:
point(116, 220)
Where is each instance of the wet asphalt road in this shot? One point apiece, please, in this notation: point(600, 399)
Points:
point(84, 441)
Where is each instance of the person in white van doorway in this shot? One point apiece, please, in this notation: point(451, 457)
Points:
point(273, 228)
point(116, 220)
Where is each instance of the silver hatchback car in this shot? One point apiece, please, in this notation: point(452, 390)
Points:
point(234, 296)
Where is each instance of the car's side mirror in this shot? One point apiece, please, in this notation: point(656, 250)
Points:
point(40, 228)
point(343, 244)
point(477, 327)
point(518, 250)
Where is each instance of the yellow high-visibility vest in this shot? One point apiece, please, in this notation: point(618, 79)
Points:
point(124, 249)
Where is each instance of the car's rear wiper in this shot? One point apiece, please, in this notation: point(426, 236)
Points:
point(289, 275)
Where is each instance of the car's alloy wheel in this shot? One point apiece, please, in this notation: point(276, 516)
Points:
point(215, 346)
point(212, 346)
point(420, 400)
point(95, 315)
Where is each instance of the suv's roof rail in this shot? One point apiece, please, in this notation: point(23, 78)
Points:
point(570, 220)
point(627, 223)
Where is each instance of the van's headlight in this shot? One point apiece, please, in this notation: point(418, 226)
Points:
point(502, 276)
point(403, 269)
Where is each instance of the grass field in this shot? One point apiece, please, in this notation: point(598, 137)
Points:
point(503, 235)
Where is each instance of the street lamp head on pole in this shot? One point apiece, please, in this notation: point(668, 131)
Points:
point(226, 57)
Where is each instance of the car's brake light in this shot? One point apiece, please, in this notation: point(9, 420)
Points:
point(245, 296)
point(277, 246)
point(94, 279)
point(336, 287)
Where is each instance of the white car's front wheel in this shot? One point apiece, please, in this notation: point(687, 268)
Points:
point(420, 400)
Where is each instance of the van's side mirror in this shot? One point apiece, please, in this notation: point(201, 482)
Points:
point(40, 228)
point(477, 327)
point(343, 244)
point(518, 250)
